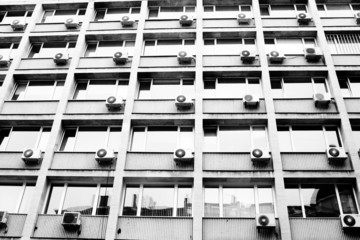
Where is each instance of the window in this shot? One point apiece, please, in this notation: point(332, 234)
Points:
point(350, 86)
point(168, 47)
point(343, 43)
point(320, 200)
point(160, 201)
point(289, 46)
point(308, 138)
point(7, 17)
point(8, 49)
point(38, 90)
point(231, 87)
point(170, 12)
point(356, 134)
point(86, 199)
point(60, 15)
point(90, 139)
point(234, 138)
point(239, 202)
point(228, 46)
point(300, 87)
point(337, 10)
point(100, 89)
point(165, 88)
point(229, 11)
point(162, 138)
point(21, 138)
point(114, 14)
point(16, 198)
point(49, 49)
point(282, 11)
point(109, 48)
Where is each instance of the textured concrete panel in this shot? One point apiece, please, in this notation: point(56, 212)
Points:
point(346, 60)
point(230, 106)
point(6, 28)
point(40, 63)
point(166, 24)
point(159, 106)
point(12, 160)
point(232, 162)
point(339, 22)
point(49, 226)
point(29, 107)
point(155, 228)
point(109, 25)
point(101, 62)
point(236, 229)
point(15, 225)
point(311, 162)
point(154, 161)
point(89, 107)
point(319, 229)
point(78, 161)
point(301, 106)
point(226, 23)
point(283, 22)
point(296, 60)
point(53, 27)
point(227, 61)
point(167, 61)
point(352, 105)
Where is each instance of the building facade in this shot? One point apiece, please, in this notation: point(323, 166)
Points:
point(188, 119)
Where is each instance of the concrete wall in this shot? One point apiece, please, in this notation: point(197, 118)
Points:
point(15, 225)
point(230, 106)
point(159, 107)
point(352, 105)
point(301, 106)
point(12, 160)
point(89, 107)
point(109, 25)
point(53, 27)
point(100, 62)
point(29, 107)
point(40, 63)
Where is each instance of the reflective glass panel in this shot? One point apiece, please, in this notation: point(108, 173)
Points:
point(157, 201)
point(211, 202)
point(79, 199)
point(238, 202)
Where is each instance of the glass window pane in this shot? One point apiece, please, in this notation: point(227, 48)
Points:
point(210, 140)
point(238, 202)
point(161, 139)
point(39, 90)
point(54, 201)
point(22, 138)
point(211, 202)
point(68, 140)
point(320, 200)
point(308, 139)
point(298, 88)
point(9, 202)
point(80, 92)
point(184, 202)
point(19, 92)
point(114, 138)
point(103, 205)
point(356, 134)
point(44, 138)
point(100, 89)
point(79, 199)
point(284, 139)
point(290, 45)
point(4, 138)
point(26, 199)
point(259, 137)
point(122, 89)
point(58, 90)
point(131, 201)
point(234, 139)
point(138, 140)
point(332, 136)
point(320, 86)
point(254, 87)
point(90, 139)
point(157, 201)
point(347, 199)
point(339, 10)
point(165, 89)
point(283, 11)
point(266, 201)
point(231, 88)
point(293, 202)
point(355, 86)
point(186, 138)
point(188, 88)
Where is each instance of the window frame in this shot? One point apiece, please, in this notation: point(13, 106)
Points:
point(123, 48)
point(13, 46)
point(156, 45)
point(106, 141)
point(301, 198)
point(256, 187)
point(243, 44)
point(326, 11)
point(130, 12)
point(141, 187)
point(26, 89)
point(66, 49)
point(54, 12)
point(276, 44)
point(23, 186)
point(64, 192)
point(152, 8)
point(251, 127)
point(296, 11)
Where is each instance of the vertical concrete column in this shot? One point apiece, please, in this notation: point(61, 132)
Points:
point(38, 198)
point(345, 125)
point(198, 208)
point(118, 186)
point(272, 127)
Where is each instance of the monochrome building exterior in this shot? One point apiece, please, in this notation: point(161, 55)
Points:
point(181, 120)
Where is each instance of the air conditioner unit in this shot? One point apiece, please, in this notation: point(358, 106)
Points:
point(303, 18)
point(183, 155)
point(313, 54)
point(61, 58)
point(183, 103)
point(31, 156)
point(184, 57)
point(260, 155)
point(120, 57)
point(186, 20)
point(72, 23)
point(18, 24)
point(357, 17)
point(105, 156)
point(265, 220)
point(322, 100)
point(3, 219)
point(127, 21)
point(247, 56)
point(4, 60)
point(251, 101)
point(350, 222)
point(276, 57)
point(71, 220)
point(115, 104)
point(242, 18)
point(336, 155)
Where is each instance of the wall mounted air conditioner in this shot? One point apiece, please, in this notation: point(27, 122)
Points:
point(127, 21)
point(322, 100)
point(251, 101)
point(260, 155)
point(184, 57)
point(350, 222)
point(186, 20)
point(72, 22)
point(71, 221)
point(336, 155)
point(31, 156)
point(61, 58)
point(265, 221)
point(303, 18)
point(18, 24)
point(3, 219)
point(105, 156)
point(120, 58)
point(276, 56)
point(115, 103)
point(182, 102)
point(4, 60)
point(357, 17)
point(242, 18)
point(247, 56)
point(183, 155)
point(313, 54)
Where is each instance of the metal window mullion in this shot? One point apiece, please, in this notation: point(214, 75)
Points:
point(106, 140)
point(9, 137)
point(39, 137)
point(75, 140)
point(87, 87)
point(267, 138)
point(47, 198)
point(141, 189)
point(53, 90)
point(338, 198)
point(176, 189)
point(251, 136)
point(274, 200)
point(96, 200)
point(21, 195)
point(117, 81)
point(25, 91)
point(356, 199)
point(302, 202)
point(256, 197)
point(218, 138)
point(356, 42)
point(293, 148)
point(62, 199)
point(325, 137)
point(221, 201)
point(338, 133)
point(178, 136)
point(313, 85)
